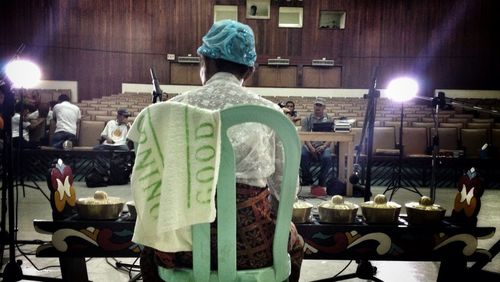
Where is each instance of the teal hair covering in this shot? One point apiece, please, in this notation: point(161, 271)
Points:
point(230, 40)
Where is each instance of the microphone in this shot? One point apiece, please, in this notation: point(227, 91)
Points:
point(355, 176)
point(439, 100)
point(157, 93)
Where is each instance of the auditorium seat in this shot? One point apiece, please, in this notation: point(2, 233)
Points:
point(431, 119)
point(104, 118)
point(396, 125)
point(422, 124)
point(482, 125)
point(483, 120)
point(360, 123)
point(384, 141)
point(457, 125)
point(94, 113)
point(467, 116)
point(448, 138)
point(414, 141)
point(90, 133)
point(472, 140)
point(455, 119)
point(495, 143)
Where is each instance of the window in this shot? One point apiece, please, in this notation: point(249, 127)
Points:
point(225, 12)
point(290, 17)
point(332, 19)
point(258, 9)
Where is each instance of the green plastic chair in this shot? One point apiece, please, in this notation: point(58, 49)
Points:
point(226, 207)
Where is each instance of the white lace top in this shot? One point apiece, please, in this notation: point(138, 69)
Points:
point(259, 157)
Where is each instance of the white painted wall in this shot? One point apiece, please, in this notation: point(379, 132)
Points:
point(60, 84)
point(310, 92)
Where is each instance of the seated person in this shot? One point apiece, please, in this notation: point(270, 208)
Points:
point(67, 117)
point(114, 135)
point(291, 113)
point(16, 119)
point(227, 60)
point(316, 151)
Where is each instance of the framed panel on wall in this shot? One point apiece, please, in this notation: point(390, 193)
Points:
point(332, 19)
point(258, 9)
point(225, 12)
point(290, 17)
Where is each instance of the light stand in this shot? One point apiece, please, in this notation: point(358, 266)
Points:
point(27, 78)
point(437, 102)
point(20, 172)
point(395, 183)
point(401, 90)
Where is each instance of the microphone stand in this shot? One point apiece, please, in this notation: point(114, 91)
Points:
point(439, 102)
point(365, 270)
point(157, 92)
point(368, 125)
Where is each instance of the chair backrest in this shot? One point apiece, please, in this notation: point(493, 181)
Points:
point(90, 133)
point(414, 140)
point(448, 138)
point(384, 138)
point(479, 125)
point(226, 206)
point(495, 142)
point(472, 141)
point(483, 120)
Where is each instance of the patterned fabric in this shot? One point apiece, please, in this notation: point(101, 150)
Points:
point(255, 230)
point(258, 154)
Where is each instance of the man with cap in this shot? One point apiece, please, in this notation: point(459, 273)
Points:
point(227, 60)
point(114, 135)
point(316, 150)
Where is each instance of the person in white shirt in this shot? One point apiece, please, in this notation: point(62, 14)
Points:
point(114, 135)
point(67, 117)
point(24, 142)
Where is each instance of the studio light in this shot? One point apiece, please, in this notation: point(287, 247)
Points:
point(23, 73)
point(402, 89)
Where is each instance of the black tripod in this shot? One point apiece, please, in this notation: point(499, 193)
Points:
point(20, 180)
point(12, 270)
point(398, 172)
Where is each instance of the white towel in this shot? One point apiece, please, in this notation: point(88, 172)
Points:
point(175, 173)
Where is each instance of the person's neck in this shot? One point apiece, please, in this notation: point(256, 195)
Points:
point(319, 115)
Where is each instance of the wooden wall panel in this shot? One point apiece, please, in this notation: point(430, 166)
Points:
point(328, 77)
point(187, 74)
point(273, 76)
point(101, 44)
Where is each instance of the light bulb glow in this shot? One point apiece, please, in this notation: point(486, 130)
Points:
point(23, 73)
point(402, 89)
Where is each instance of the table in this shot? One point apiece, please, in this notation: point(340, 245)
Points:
point(451, 244)
point(346, 149)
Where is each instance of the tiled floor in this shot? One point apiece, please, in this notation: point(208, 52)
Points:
point(35, 206)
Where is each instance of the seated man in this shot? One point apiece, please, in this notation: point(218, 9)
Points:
point(114, 135)
point(227, 60)
point(316, 151)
